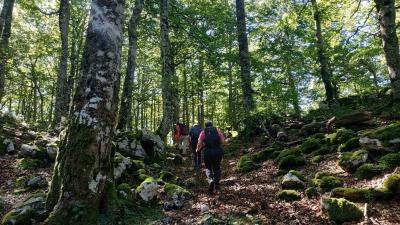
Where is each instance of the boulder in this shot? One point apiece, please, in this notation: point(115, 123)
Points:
point(9, 146)
point(148, 189)
point(350, 161)
point(340, 210)
point(36, 182)
point(289, 195)
point(52, 150)
point(130, 148)
point(371, 144)
point(29, 211)
point(121, 164)
point(27, 150)
point(291, 181)
point(313, 128)
point(175, 196)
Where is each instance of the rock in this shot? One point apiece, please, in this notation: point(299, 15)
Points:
point(288, 195)
point(371, 144)
point(340, 210)
point(311, 192)
point(392, 183)
point(350, 161)
point(27, 150)
point(9, 146)
point(313, 128)
point(121, 164)
point(131, 148)
point(282, 136)
point(29, 211)
point(341, 136)
point(155, 139)
point(148, 189)
point(175, 195)
point(52, 150)
point(291, 181)
point(204, 208)
point(36, 182)
point(326, 181)
point(209, 219)
point(354, 118)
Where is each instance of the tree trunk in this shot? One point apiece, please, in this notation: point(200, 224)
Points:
point(125, 113)
point(167, 73)
point(387, 23)
point(200, 83)
point(326, 73)
point(5, 25)
point(83, 173)
point(61, 103)
point(244, 56)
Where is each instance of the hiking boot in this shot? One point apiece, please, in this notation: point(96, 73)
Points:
point(211, 187)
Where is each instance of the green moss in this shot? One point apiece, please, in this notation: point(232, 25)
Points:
point(324, 150)
point(341, 136)
point(275, 154)
point(263, 155)
point(124, 191)
point(246, 164)
point(349, 145)
point(170, 189)
point(291, 161)
point(350, 161)
point(392, 183)
point(319, 136)
point(361, 195)
point(28, 164)
point(317, 159)
point(288, 195)
point(311, 192)
point(326, 182)
point(340, 210)
point(298, 174)
point(386, 134)
point(21, 218)
point(390, 160)
point(310, 145)
point(368, 171)
point(142, 215)
point(142, 173)
point(288, 152)
point(233, 148)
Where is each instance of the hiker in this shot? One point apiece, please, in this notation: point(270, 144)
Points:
point(180, 136)
point(194, 134)
point(211, 140)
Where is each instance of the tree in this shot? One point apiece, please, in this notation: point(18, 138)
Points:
point(326, 73)
point(244, 56)
point(169, 94)
point(84, 167)
point(61, 106)
point(125, 113)
point(5, 33)
point(387, 22)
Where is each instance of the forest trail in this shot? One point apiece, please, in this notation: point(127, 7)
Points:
point(250, 198)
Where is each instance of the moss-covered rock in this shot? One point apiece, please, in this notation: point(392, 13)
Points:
point(340, 210)
point(29, 164)
point(350, 161)
point(341, 136)
point(209, 219)
point(369, 170)
point(385, 134)
point(275, 154)
point(361, 195)
point(263, 155)
point(392, 183)
point(310, 145)
point(390, 160)
point(317, 159)
point(349, 145)
point(323, 150)
point(326, 182)
point(148, 189)
point(289, 195)
point(246, 164)
point(288, 152)
point(175, 196)
point(311, 192)
point(291, 161)
point(124, 191)
point(32, 209)
point(292, 181)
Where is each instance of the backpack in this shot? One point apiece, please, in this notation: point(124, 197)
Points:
point(212, 139)
point(183, 129)
point(195, 133)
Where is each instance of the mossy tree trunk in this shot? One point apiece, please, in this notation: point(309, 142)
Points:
point(5, 33)
point(84, 172)
point(387, 22)
point(125, 113)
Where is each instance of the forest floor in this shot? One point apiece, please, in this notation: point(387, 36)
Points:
point(253, 196)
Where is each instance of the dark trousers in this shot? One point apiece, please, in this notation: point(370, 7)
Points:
point(212, 161)
point(196, 156)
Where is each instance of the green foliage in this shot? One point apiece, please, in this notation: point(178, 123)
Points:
point(341, 136)
point(326, 182)
point(263, 155)
point(361, 195)
point(350, 161)
point(124, 191)
point(392, 183)
point(390, 160)
point(29, 164)
point(171, 189)
point(368, 171)
point(349, 145)
point(310, 145)
point(288, 152)
point(324, 150)
point(246, 164)
point(340, 210)
point(311, 192)
point(288, 195)
point(386, 134)
point(291, 161)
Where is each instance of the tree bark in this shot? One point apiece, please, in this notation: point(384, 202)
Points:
point(200, 84)
point(5, 26)
point(326, 73)
point(244, 56)
point(167, 73)
point(387, 22)
point(125, 113)
point(61, 104)
point(83, 173)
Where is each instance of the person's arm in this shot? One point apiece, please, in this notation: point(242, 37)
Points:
point(200, 141)
point(221, 136)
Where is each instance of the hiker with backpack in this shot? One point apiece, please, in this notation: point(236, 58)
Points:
point(180, 136)
point(194, 134)
point(210, 141)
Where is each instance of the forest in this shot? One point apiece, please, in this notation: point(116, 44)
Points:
point(97, 98)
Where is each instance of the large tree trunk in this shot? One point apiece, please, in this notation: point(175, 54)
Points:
point(83, 173)
point(167, 73)
point(200, 92)
point(61, 104)
point(244, 56)
point(326, 73)
point(125, 113)
point(5, 33)
point(387, 22)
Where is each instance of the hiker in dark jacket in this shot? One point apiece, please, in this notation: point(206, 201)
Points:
point(194, 137)
point(211, 140)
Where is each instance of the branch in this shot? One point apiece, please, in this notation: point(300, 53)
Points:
point(44, 12)
point(359, 27)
